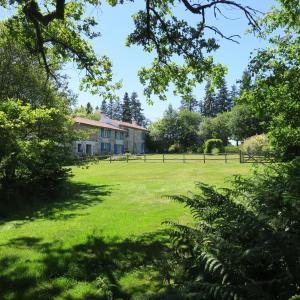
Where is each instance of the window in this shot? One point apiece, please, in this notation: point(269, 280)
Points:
point(118, 148)
point(119, 135)
point(79, 148)
point(105, 147)
point(105, 133)
point(143, 135)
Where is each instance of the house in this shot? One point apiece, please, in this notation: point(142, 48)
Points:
point(109, 136)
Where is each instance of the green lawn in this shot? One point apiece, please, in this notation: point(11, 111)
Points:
point(103, 230)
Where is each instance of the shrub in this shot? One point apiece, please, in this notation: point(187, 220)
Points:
point(231, 148)
point(36, 144)
point(213, 143)
point(257, 144)
point(245, 243)
point(175, 148)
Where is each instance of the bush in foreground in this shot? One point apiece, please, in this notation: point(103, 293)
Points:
point(245, 243)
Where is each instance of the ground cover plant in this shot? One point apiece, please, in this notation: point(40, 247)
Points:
point(102, 233)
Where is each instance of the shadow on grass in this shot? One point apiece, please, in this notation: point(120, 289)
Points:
point(61, 271)
point(59, 204)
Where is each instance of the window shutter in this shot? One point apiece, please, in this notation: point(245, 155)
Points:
point(102, 133)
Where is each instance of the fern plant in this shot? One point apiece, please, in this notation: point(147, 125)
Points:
point(245, 242)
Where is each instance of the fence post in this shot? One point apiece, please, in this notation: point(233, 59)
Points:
point(110, 158)
point(144, 157)
point(225, 157)
point(127, 157)
point(163, 158)
point(241, 156)
point(204, 157)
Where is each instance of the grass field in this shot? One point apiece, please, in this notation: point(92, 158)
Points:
point(101, 232)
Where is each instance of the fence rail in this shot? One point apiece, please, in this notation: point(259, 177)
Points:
point(240, 156)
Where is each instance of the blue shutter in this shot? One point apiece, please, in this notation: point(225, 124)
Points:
point(123, 149)
point(115, 148)
point(109, 147)
point(102, 147)
point(109, 133)
point(102, 133)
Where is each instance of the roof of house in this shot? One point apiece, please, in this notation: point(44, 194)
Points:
point(117, 123)
point(95, 123)
point(132, 125)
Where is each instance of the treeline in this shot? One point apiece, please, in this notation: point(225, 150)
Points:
point(128, 109)
point(217, 116)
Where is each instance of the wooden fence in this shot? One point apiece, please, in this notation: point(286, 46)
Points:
point(184, 157)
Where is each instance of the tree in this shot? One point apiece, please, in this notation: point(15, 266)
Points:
point(37, 144)
point(136, 109)
point(89, 108)
point(244, 123)
point(223, 99)
point(110, 108)
point(233, 95)
point(245, 84)
point(126, 114)
point(216, 128)
point(60, 29)
point(277, 88)
point(189, 103)
point(188, 128)
point(117, 111)
point(103, 107)
point(209, 108)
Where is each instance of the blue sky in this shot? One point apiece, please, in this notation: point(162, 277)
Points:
point(115, 23)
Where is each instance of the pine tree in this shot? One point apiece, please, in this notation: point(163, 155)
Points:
point(233, 95)
point(209, 102)
point(126, 109)
point(189, 103)
point(117, 111)
point(136, 109)
point(89, 108)
point(245, 84)
point(223, 101)
point(110, 109)
point(104, 107)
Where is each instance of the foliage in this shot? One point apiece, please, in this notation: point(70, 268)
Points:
point(244, 123)
point(189, 103)
point(223, 99)
point(209, 108)
point(212, 144)
point(277, 90)
point(126, 109)
point(257, 144)
point(231, 148)
point(176, 127)
point(175, 148)
point(36, 143)
point(216, 128)
point(136, 109)
point(245, 241)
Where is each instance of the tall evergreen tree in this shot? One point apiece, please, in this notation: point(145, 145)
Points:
point(233, 95)
point(209, 108)
point(126, 112)
point(189, 103)
point(136, 109)
point(223, 100)
point(110, 109)
point(245, 84)
point(104, 107)
point(89, 108)
point(117, 109)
